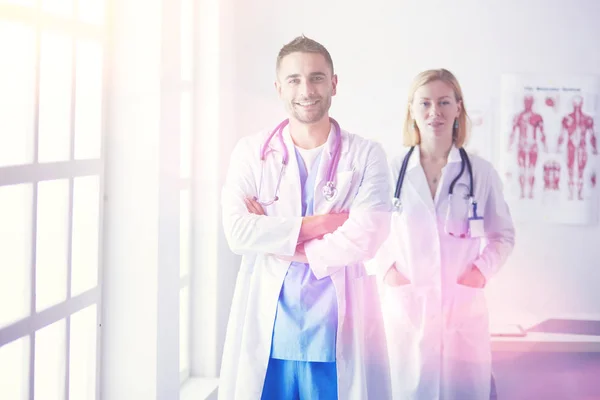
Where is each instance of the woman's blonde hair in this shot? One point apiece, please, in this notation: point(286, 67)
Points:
point(410, 131)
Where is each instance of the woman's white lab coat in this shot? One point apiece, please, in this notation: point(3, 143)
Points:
point(363, 185)
point(437, 329)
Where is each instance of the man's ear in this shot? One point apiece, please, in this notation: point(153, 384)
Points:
point(334, 82)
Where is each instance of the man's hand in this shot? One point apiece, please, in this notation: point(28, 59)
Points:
point(334, 221)
point(394, 278)
point(254, 206)
point(317, 226)
point(472, 278)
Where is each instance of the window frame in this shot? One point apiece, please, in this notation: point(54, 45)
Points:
point(36, 172)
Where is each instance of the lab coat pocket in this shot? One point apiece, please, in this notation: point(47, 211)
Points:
point(403, 307)
point(468, 312)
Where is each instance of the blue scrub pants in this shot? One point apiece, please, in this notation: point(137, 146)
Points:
point(300, 380)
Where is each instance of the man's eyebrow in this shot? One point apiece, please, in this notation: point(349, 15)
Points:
point(311, 74)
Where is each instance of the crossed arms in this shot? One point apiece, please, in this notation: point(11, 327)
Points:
point(326, 242)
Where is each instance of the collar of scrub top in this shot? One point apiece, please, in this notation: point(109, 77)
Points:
point(276, 141)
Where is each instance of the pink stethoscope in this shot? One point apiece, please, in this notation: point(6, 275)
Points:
point(329, 189)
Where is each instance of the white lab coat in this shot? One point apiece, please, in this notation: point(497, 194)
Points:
point(363, 185)
point(437, 330)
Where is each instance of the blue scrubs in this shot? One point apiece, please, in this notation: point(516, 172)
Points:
point(302, 364)
point(299, 380)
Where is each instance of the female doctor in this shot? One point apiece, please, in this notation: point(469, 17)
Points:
point(305, 204)
point(451, 231)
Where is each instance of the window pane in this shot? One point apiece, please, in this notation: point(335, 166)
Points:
point(15, 253)
point(88, 99)
point(187, 39)
point(59, 7)
point(14, 369)
point(184, 329)
point(184, 232)
point(185, 143)
point(50, 359)
point(51, 243)
point(17, 93)
point(84, 250)
point(55, 98)
point(82, 367)
point(92, 11)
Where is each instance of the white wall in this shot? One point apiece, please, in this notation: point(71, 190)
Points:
point(214, 266)
point(131, 208)
point(377, 47)
point(140, 310)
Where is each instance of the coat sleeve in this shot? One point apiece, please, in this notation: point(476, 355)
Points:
point(499, 229)
point(359, 238)
point(248, 233)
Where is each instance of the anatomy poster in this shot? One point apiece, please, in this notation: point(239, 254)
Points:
point(549, 149)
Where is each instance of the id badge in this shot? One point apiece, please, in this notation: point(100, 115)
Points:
point(476, 227)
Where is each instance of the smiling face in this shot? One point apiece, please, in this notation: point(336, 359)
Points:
point(306, 83)
point(434, 108)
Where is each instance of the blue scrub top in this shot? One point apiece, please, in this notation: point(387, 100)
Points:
point(305, 325)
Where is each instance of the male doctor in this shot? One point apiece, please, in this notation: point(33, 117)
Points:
point(305, 321)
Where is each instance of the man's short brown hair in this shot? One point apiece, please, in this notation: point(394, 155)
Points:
point(303, 44)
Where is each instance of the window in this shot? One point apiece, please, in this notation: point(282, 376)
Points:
point(51, 177)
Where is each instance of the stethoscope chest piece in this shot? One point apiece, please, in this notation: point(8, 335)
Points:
point(397, 205)
point(329, 191)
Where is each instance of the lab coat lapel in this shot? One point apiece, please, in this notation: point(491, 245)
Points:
point(322, 206)
point(289, 203)
point(417, 182)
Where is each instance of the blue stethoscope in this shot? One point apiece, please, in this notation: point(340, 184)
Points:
point(470, 228)
point(329, 189)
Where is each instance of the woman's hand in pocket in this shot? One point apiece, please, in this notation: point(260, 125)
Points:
point(394, 278)
point(472, 278)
